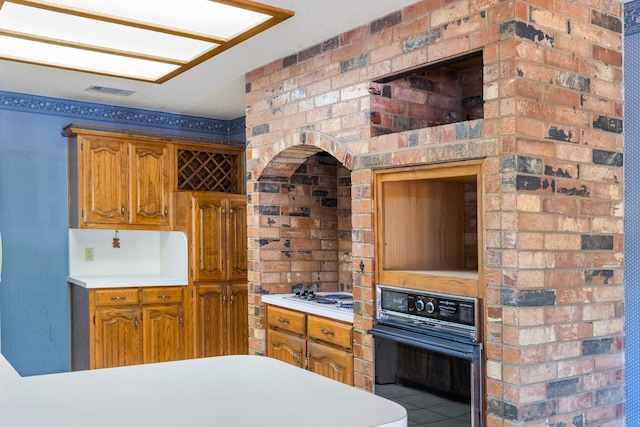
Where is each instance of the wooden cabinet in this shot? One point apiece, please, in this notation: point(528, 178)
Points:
point(127, 326)
point(118, 182)
point(330, 362)
point(117, 338)
point(164, 335)
point(221, 319)
point(312, 342)
point(216, 230)
point(220, 237)
point(429, 228)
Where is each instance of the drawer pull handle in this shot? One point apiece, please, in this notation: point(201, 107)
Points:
point(167, 296)
point(298, 357)
point(282, 320)
point(118, 297)
point(324, 331)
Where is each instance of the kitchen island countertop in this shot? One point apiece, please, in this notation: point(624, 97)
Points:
point(234, 391)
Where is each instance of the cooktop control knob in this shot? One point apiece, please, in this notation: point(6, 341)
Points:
point(431, 307)
point(420, 305)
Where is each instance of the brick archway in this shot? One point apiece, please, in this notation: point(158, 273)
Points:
point(280, 211)
point(284, 156)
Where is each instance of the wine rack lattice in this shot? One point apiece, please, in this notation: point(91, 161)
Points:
point(207, 171)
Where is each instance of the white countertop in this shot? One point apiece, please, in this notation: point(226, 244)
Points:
point(131, 281)
point(281, 300)
point(234, 391)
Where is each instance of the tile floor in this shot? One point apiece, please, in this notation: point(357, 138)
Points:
point(425, 409)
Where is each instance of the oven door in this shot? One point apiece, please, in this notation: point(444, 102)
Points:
point(438, 380)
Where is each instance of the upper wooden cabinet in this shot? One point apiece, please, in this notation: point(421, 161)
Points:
point(115, 182)
point(429, 228)
point(217, 228)
point(125, 179)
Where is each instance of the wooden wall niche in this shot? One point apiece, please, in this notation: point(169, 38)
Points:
point(428, 228)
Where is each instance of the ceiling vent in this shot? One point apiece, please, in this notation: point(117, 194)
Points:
point(110, 90)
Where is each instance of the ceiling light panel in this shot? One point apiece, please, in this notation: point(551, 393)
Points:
point(82, 60)
point(203, 17)
point(79, 30)
point(150, 40)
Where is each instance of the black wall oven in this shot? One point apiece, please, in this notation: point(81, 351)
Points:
point(428, 355)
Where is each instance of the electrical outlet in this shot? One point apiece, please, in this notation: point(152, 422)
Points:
point(88, 254)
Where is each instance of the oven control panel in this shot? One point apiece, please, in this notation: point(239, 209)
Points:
point(449, 314)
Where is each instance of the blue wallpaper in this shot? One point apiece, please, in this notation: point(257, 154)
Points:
point(632, 225)
point(34, 297)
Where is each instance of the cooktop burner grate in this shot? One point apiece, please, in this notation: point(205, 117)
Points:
point(326, 301)
point(339, 297)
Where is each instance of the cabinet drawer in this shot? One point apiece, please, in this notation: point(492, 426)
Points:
point(116, 296)
point(289, 320)
point(168, 294)
point(330, 331)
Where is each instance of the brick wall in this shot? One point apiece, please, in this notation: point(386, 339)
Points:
point(426, 98)
point(308, 218)
point(552, 189)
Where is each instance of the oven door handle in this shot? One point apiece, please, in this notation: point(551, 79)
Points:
point(468, 351)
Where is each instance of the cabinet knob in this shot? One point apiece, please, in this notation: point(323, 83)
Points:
point(118, 297)
point(135, 323)
point(122, 209)
point(283, 320)
point(324, 331)
point(167, 296)
point(166, 211)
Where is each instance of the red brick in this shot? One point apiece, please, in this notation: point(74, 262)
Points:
point(575, 403)
point(575, 331)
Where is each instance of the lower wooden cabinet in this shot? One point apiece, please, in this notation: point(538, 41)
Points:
point(330, 362)
point(117, 339)
point(315, 343)
point(221, 319)
point(127, 326)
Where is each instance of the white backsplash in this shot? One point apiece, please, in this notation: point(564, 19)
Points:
point(140, 253)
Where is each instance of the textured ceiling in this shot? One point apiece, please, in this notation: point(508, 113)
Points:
point(214, 88)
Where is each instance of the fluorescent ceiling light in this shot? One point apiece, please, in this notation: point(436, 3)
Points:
point(149, 40)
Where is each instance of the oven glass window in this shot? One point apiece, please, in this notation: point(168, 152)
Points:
point(435, 388)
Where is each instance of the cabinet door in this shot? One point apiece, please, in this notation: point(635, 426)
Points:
point(117, 337)
point(286, 347)
point(164, 333)
point(104, 196)
point(237, 239)
point(238, 319)
point(209, 239)
point(330, 362)
point(149, 184)
point(211, 320)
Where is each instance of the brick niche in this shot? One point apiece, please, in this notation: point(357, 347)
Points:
point(549, 130)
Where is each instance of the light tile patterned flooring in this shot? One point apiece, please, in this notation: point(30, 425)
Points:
point(427, 410)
